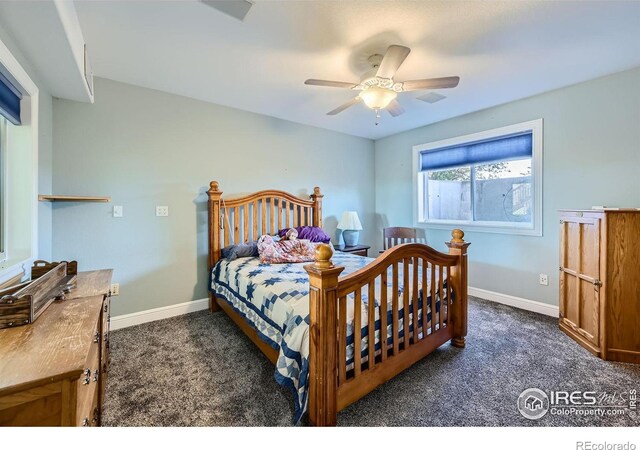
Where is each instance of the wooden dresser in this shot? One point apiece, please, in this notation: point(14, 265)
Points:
point(53, 372)
point(600, 281)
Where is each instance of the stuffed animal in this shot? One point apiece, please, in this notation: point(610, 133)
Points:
point(291, 235)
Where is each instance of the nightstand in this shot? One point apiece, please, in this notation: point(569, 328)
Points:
point(361, 250)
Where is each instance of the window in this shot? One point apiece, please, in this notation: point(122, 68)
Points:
point(3, 190)
point(489, 181)
point(18, 168)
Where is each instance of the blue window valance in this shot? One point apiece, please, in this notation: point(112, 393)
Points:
point(503, 148)
point(9, 101)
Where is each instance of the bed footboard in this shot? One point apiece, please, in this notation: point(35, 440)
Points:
point(420, 302)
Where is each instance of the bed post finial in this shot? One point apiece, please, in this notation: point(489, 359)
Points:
point(323, 256)
point(457, 235)
point(214, 194)
point(323, 338)
point(317, 206)
point(458, 246)
point(213, 188)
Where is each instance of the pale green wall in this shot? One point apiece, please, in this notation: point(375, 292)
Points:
point(591, 157)
point(146, 148)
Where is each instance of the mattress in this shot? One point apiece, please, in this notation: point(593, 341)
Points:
point(274, 300)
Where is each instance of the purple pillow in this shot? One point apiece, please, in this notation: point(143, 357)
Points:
point(314, 234)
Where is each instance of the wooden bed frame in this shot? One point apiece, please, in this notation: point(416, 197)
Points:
point(332, 385)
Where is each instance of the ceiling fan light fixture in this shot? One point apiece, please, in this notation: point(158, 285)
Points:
point(378, 98)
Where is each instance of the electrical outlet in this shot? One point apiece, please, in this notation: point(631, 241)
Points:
point(162, 211)
point(118, 211)
point(544, 279)
point(115, 289)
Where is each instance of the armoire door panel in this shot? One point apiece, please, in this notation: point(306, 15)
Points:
point(580, 268)
point(589, 311)
point(590, 258)
point(572, 245)
point(571, 311)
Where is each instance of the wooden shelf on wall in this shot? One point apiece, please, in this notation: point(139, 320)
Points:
point(72, 198)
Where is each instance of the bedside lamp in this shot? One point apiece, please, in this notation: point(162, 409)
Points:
point(350, 226)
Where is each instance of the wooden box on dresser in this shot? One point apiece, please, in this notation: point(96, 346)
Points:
point(53, 372)
point(600, 281)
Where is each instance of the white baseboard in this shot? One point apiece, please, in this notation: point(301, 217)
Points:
point(151, 315)
point(517, 302)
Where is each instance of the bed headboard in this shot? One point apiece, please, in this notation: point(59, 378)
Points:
point(246, 218)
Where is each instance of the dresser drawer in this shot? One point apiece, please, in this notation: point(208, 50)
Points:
point(89, 382)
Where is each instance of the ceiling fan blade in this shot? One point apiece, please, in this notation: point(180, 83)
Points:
point(430, 83)
point(344, 106)
point(395, 108)
point(336, 84)
point(395, 56)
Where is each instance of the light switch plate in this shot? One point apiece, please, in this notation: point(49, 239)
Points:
point(115, 289)
point(118, 211)
point(162, 211)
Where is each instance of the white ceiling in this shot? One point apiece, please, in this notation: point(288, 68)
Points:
point(502, 51)
point(60, 63)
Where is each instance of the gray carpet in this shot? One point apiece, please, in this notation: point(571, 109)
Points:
point(200, 370)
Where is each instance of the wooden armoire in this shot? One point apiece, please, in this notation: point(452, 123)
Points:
point(600, 281)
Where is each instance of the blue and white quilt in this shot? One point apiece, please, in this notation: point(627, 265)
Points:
point(274, 299)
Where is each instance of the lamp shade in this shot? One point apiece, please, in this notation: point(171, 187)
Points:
point(350, 221)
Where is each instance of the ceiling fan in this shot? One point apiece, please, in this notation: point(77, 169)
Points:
point(378, 88)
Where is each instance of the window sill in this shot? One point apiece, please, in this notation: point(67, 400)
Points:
point(470, 226)
point(8, 272)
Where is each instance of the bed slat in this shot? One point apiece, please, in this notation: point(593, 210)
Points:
point(254, 211)
point(405, 307)
point(272, 215)
point(246, 223)
point(447, 297)
point(342, 340)
point(415, 297)
point(371, 339)
point(226, 224)
point(441, 293)
point(383, 316)
point(287, 215)
point(394, 311)
point(263, 216)
point(449, 293)
point(433, 298)
point(357, 333)
point(236, 225)
point(425, 298)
